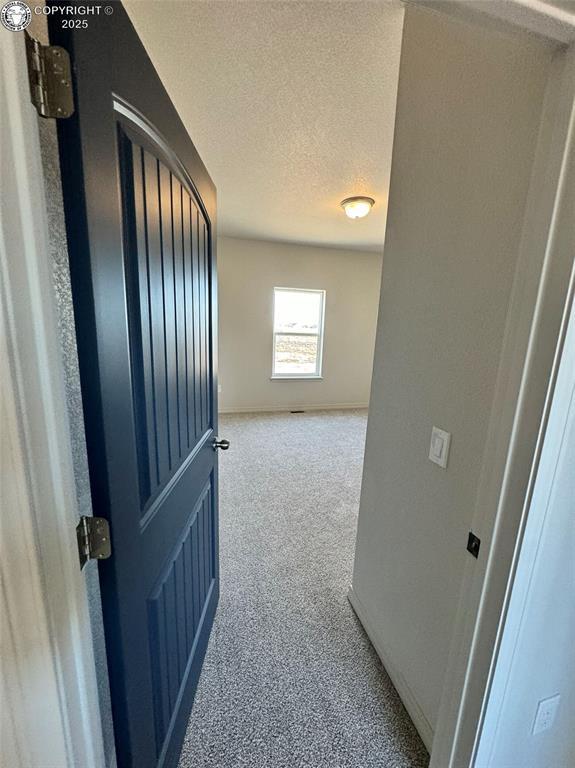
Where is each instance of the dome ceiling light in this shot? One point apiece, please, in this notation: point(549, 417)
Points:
point(357, 207)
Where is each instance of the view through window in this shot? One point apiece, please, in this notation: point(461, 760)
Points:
point(298, 332)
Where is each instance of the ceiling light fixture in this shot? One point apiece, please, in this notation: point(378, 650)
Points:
point(357, 207)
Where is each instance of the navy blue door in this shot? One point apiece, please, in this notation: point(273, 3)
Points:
point(140, 215)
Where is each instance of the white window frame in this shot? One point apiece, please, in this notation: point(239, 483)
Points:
point(317, 375)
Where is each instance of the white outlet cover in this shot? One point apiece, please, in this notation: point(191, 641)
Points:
point(439, 447)
point(545, 715)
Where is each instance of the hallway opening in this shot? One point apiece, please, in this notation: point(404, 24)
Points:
point(290, 677)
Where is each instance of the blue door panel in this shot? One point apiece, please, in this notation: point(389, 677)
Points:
point(141, 224)
point(172, 630)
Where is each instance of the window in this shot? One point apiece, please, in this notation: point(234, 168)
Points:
point(298, 333)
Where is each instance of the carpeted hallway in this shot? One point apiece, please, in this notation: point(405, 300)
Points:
point(290, 678)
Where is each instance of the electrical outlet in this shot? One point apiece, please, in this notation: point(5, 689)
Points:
point(545, 715)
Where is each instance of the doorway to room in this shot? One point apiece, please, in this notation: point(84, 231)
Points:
point(293, 674)
point(294, 386)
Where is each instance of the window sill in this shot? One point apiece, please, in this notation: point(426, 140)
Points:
point(296, 378)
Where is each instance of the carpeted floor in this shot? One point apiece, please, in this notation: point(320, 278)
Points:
point(290, 678)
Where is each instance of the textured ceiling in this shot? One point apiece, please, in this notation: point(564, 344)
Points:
point(290, 104)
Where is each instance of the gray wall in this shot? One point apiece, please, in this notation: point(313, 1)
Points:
point(248, 271)
point(468, 113)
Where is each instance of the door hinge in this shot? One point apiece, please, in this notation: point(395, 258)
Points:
point(50, 77)
point(94, 542)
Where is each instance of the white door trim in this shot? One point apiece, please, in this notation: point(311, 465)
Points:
point(536, 324)
point(544, 515)
point(50, 712)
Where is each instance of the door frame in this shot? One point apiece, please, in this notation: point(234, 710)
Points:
point(542, 296)
point(52, 705)
point(546, 503)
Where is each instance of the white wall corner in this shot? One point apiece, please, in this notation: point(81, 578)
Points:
point(406, 694)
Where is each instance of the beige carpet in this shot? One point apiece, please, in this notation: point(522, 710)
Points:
point(290, 678)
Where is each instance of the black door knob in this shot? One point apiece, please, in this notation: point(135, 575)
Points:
point(223, 444)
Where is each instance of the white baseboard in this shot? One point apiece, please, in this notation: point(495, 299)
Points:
point(407, 696)
point(288, 408)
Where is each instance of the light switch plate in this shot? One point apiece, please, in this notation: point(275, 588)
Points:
point(546, 711)
point(439, 447)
